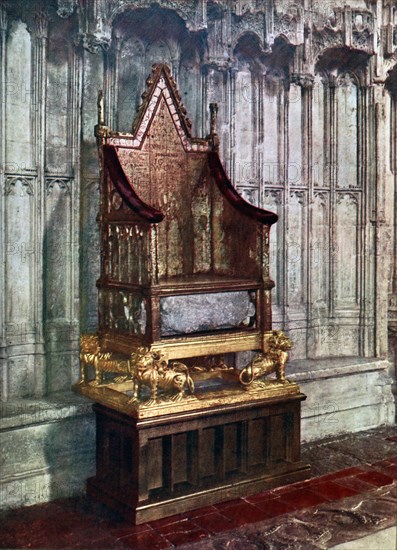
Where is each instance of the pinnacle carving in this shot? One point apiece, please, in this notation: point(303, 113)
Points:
point(41, 20)
point(66, 8)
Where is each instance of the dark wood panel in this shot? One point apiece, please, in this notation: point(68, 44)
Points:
point(147, 471)
point(257, 441)
point(155, 463)
point(207, 452)
point(233, 449)
point(278, 438)
point(179, 458)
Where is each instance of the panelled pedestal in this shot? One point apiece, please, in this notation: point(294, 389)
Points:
point(152, 468)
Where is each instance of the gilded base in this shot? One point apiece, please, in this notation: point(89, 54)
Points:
point(115, 396)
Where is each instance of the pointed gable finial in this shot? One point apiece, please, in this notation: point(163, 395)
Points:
point(160, 70)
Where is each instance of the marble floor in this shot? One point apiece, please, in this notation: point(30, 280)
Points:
point(381, 540)
point(352, 494)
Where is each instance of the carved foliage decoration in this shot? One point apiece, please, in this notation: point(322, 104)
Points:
point(289, 25)
point(66, 7)
point(97, 17)
point(327, 38)
point(249, 23)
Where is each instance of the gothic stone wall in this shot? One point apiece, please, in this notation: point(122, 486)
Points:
point(307, 117)
point(306, 95)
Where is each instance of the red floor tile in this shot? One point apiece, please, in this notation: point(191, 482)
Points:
point(243, 513)
point(185, 537)
point(274, 507)
point(348, 472)
point(332, 491)
point(354, 483)
point(182, 526)
point(390, 471)
point(386, 467)
point(228, 503)
point(103, 543)
point(376, 478)
point(201, 512)
point(215, 522)
point(182, 532)
point(292, 487)
point(119, 529)
point(261, 497)
point(302, 498)
point(158, 524)
point(148, 540)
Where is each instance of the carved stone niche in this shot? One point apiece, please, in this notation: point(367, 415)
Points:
point(184, 285)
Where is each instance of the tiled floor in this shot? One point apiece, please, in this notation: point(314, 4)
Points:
point(337, 504)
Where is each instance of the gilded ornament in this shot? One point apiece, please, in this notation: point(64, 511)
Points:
point(272, 361)
point(143, 368)
point(151, 369)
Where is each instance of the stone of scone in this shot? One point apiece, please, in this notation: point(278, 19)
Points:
point(204, 312)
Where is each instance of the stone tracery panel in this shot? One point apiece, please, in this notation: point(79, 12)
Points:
point(130, 80)
point(19, 96)
point(295, 136)
point(346, 275)
point(273, 200)
point(318, 136)
point(21, 324)
point(60, 92)
point(320, 252)
point(347, 119)
point(296, 249)
point(273, 96)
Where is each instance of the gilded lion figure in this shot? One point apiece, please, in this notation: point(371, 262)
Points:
point(143, 368)
point(103, 362)
point(273, 360)
point(151, 369)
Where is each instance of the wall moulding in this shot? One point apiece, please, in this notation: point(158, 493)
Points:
point(62, 183)
point(24, 184)
point(3, 19)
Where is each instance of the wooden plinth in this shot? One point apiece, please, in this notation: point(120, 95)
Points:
point(153, 468)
